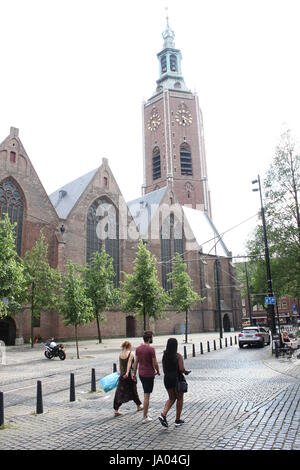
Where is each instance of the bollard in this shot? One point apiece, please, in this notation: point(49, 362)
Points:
point(208, 348)
point(39, 398)
point(235, 340)
point(201, 348)
point(194, 352)
point(72, 387)
point(226, 343)
point(1, 409)
point(93, 385)
point(230, 341)
point(215, 346)
point(114, 367)
point(184, 352)
point(221, 343)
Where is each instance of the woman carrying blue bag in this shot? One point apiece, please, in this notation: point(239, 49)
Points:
point(126, 389)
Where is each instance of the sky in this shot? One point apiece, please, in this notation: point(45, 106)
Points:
point(74, 75)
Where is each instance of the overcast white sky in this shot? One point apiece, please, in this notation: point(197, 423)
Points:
point(74, 73)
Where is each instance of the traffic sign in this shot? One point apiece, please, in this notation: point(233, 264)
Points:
point(270, 300)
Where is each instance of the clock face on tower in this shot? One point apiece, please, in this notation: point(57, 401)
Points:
point(154, 121)
point(183, 117)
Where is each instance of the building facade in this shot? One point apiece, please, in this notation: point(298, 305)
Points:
point(173, 215)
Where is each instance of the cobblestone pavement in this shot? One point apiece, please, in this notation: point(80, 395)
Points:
point(237, 399)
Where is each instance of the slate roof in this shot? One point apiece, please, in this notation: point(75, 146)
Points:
point(65, 198)
point(205, 232)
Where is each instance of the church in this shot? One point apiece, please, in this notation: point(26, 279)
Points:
point(172, 215)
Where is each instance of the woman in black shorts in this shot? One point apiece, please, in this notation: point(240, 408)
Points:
point(173, 366)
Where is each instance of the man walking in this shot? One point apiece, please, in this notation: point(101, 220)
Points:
point(148, 368)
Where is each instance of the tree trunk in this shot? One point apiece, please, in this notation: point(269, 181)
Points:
point(186, 326)
point(98, 328)
point(76, 339)
point(32, 312)
point(144, 314)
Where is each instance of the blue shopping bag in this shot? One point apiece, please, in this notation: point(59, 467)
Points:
point(109, 382)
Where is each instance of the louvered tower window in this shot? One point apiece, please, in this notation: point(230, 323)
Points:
point(103, 228)
point(163, 64)
point(156, 167)
point(12, 203)
point(173, 63)
point(186, 160)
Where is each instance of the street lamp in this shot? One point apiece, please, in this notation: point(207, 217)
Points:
point(271, 310)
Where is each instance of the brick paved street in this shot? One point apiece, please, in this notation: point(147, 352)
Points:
point(237, 399)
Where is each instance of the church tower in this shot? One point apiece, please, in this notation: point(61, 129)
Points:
point(174, 150)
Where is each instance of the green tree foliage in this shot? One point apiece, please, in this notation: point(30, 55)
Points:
point(12, 280)
point(141, 291)
point(281, 186)
point(99, 284)
point(75, 305)
point(42, 282)
point(183, 297)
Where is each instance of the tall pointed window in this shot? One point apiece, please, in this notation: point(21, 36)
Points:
point(156, 167)
point(186, 159)
point(11, 203)
point(163, 64)
point(171, 235)
point(103, 228)
point(173, 63)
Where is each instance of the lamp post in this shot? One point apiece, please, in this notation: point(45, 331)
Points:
point(248, 294)
point(271, 310)
point(218, 296)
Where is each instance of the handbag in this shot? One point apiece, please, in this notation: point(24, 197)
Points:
point(181, 384)
point(109, 382)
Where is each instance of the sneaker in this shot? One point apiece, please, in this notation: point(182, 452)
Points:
point(146, 420)
point(163, 421)
point(179, 422)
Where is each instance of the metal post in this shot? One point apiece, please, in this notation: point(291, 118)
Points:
point(235, 342)
point(201, 348)
point(72, 388)
point(215, 346)
point(93, 384)
point(39, 398)
point(230, 341)
point(221, 343)
point(218, 297)
point(208, 348)
point(248, 294)
point(114, 367)
point(194, 352)
point(226, 342)
point(1, 409)
point(184, 352)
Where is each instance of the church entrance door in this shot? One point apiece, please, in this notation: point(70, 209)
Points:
point(226, 323)
point(130, 326)
point(8, 331)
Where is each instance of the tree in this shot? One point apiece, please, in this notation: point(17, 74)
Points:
point(75, 305)
point(183, 297)
point(141, 291)
point(11, 270)
point(42, 282)
point(99, 285)
point(281, 203)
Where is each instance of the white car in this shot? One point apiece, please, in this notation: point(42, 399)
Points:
point(254, 335)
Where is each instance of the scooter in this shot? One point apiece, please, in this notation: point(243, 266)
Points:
point(53, 350)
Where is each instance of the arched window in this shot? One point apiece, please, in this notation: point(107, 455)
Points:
point(171, 234)
point(163, 64)
point(156, 167)
point(11, 202)
point(173, 63)
point(186, 159)
point(103, 227)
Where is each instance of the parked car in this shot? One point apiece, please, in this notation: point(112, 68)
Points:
point(254, 335)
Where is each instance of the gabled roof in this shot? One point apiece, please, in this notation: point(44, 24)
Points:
point(65, 198)
point(143, 208)
point(205, 232)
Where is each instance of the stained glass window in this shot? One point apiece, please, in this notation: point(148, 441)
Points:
point(11, 202)
point(103, 227)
